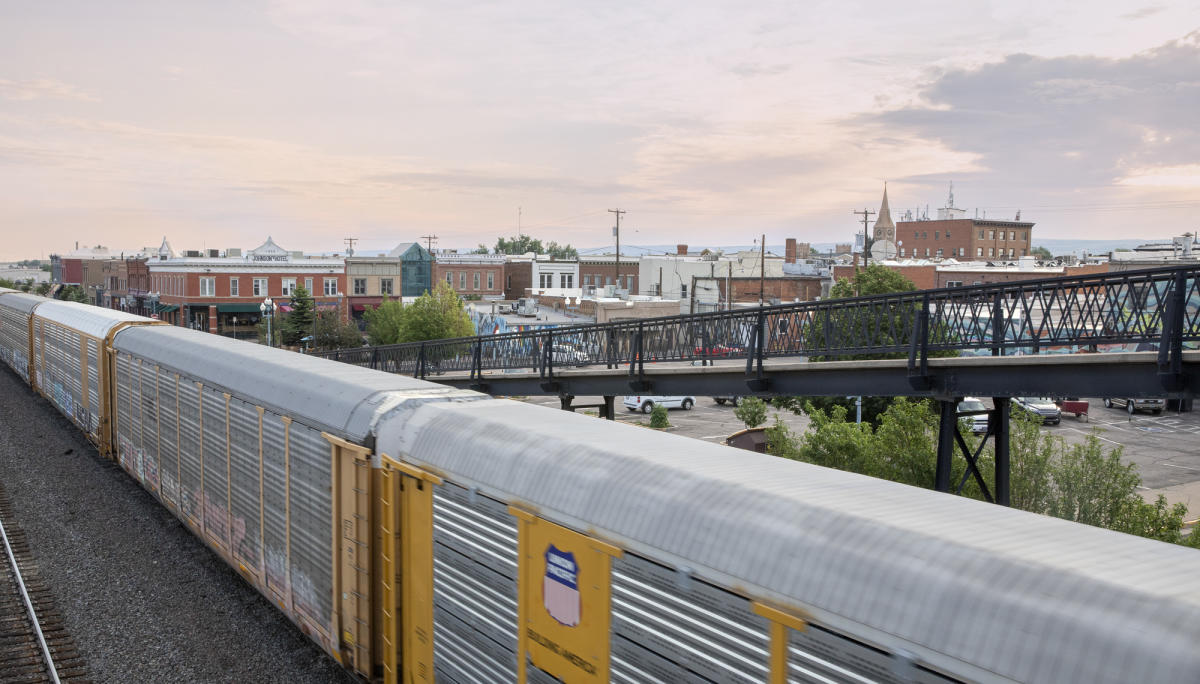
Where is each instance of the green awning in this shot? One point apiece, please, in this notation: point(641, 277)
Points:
point(238, 308)
point(168, 308)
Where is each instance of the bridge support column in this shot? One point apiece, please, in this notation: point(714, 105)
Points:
point(999, 429)
point(947, 430)
point(608, 411)
point(564, 401)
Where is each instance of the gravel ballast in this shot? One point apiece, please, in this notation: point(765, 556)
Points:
point(143, 598)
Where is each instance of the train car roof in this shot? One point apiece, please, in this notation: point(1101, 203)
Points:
point(21, 301)
point(955, 580)
point(333, 396)
point(96, 321)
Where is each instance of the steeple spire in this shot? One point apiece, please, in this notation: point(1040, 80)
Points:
point(884, 228)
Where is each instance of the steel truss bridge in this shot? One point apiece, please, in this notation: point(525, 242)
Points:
point(1124, 334)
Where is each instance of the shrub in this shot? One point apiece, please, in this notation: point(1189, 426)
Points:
point(658, 417)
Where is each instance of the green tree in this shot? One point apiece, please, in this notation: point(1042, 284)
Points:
point(435, 316)
point(42, 289)
point(383, 322)
point(332, 333)
point(658, 417)
point(74, 293)
point(1042, 253)
point(299, 322)
point(5, 282)
point(518, 244)
point(481, 249)
point(561, 251)
point(752, 411)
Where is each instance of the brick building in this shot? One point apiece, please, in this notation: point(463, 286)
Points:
point(471, 275)
point(600, 270)
point(964, 238)
point(522, 274)
point(928, 275)
point(223, 294)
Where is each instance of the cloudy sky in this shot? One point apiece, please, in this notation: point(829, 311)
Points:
point(217, 123)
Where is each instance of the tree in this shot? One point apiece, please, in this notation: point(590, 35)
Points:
point(558, 251)
point(481, 249)
point(74, 293)
point(519, 244)
point(383, 322)
point(42, 289)
point(658, 417)
point(752, 411)
point(435, 316)
point(299, 323)
point(332, 333)
point(1042, 253)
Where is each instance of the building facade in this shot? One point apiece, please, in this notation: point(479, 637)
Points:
point(523, 275)
point(471, 275)
point(416, 269)
point(600, 270)
point(222, 294)
point(370, 280)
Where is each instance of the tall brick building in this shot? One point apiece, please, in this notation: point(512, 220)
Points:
point(952, 235)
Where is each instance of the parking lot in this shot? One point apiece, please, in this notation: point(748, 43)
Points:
point(1165, 448)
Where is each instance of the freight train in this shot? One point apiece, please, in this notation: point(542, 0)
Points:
point(417, 532)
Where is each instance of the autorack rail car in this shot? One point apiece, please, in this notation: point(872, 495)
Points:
point(16, 308)
point(418, 532)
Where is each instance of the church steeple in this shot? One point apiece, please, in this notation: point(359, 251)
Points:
point(884, 228)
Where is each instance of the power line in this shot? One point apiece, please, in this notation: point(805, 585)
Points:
point(866, 214)
point(617, 234)
point(429, 240)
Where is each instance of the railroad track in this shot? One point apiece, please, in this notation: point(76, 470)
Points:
point(30, 651)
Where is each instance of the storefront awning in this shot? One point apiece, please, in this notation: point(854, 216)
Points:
point(238, 308)
point(162, 309)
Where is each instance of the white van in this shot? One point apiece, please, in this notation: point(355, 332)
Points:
point(646, 404)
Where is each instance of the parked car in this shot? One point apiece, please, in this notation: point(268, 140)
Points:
point(1155, 405)
point(1043, 407)
point(717, 351)
point(979, 423)
point(646, 404)
point(731, 399)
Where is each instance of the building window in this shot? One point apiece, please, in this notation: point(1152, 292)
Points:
point(289, 287)
point(980, 233)
point(308, 285)
point(545, 280)
point(330, 287)
point(992, 234)
point(629, 283)
point(462, 280)
point(1002, 234)
point(947, 235)
point(475, 281)
point(1011, 252)
point(954, 283)
point(607, 280)
point(1012, 235)
point(924, 235)
point(508, 282)
point(917, 234)
point(926, 251)
point(233, 287)
point(1024, 235)
point(360, 286)
point(208, 287)
point(682, 291)
point(450, 278)
point(566, 280)
point(935, 235)
point(260, 287)
point(385, 286)
point(901, 252)
point(491, 280)
point(587, 281)
point(978, 251)
point(991, 251)
point(939, 253)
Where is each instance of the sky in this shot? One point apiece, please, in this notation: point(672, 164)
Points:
point(218, 123)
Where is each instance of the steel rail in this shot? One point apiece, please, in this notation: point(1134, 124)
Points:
point(37, 627)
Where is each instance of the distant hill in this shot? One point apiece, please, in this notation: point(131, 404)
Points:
point(1055, 245)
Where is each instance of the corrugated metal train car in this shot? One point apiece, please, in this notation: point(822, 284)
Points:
point(16, 342)
point(421, 533)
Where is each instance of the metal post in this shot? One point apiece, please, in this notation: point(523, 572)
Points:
point(947, 427)
point(1000, 418)
point(609, 410)
point(270, 315)
point(998, 324)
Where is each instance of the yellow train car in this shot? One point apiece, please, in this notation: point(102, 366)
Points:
point(16, 343)
point(69, 364)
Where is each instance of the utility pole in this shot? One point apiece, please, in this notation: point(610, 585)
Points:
point(866, 214)
point(429, 239)
point(350, 245)
point(617, 234)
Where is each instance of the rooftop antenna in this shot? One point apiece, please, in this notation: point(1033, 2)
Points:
point(518, 221)
point(1018, 215)
point(350, 245)
point(950, 205)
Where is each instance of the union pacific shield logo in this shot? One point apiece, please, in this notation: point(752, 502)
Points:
point(560, 586)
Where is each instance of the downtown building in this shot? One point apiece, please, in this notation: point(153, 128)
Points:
point(221, 292)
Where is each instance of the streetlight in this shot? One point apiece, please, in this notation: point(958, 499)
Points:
point(268, 311)
point(153, 297)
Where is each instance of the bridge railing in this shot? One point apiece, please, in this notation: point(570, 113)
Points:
point(1155, 309)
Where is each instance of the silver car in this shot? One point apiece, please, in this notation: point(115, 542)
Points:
point(979, 423)
point(1154, 405)
point(1043, 407)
